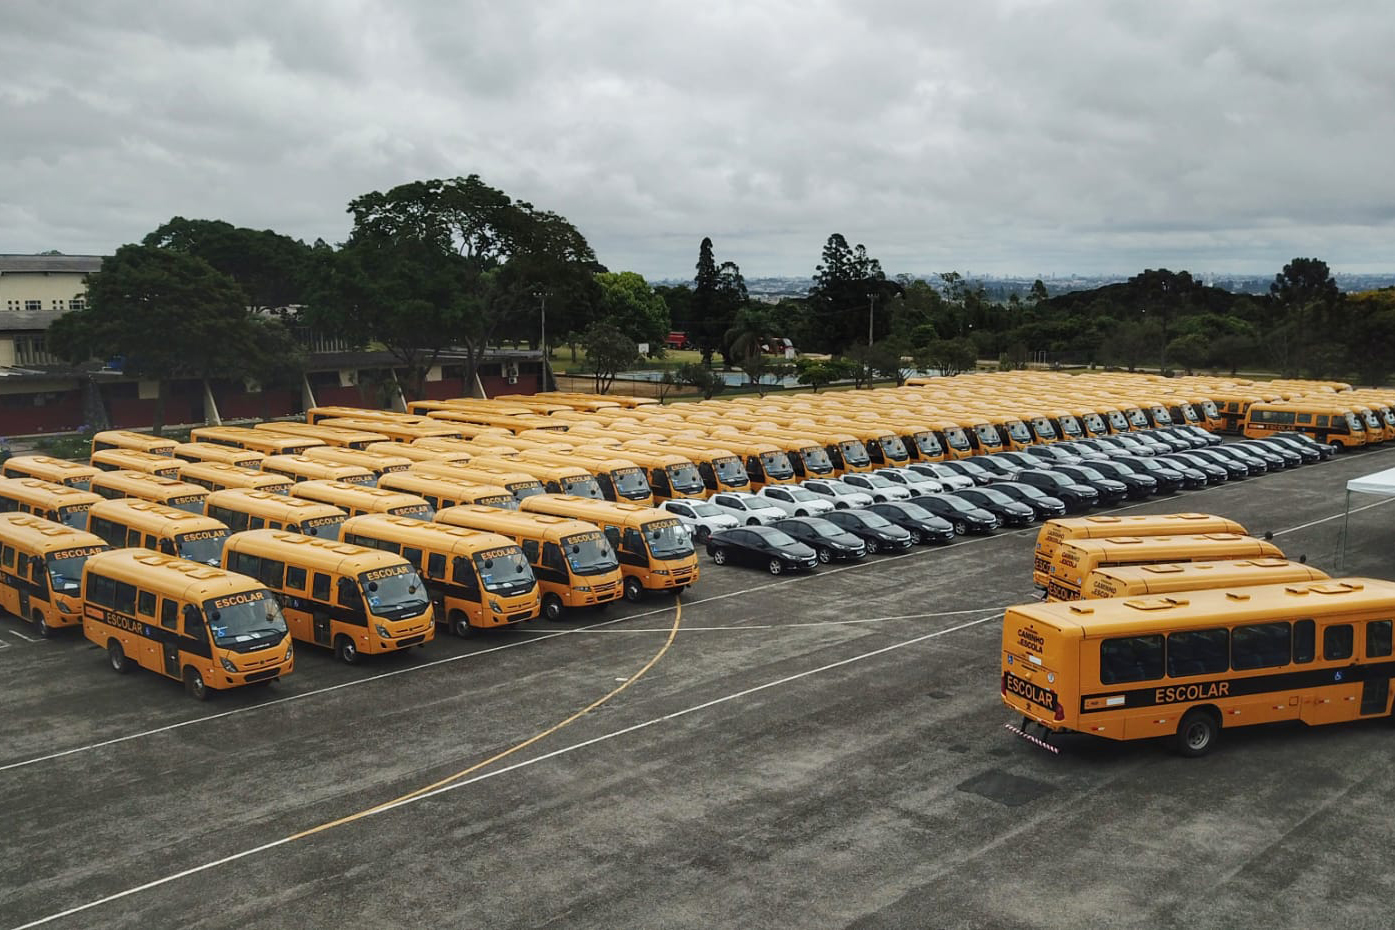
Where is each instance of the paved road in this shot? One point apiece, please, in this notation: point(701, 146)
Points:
point(810, 752)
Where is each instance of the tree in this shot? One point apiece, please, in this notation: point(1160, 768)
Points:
point(849, 287)
point(170, 315)
point(1038, 295)
point(952, 356)
point(629, 304)
point(1190, 350)
point(815, 373)
point(701, 377)
point(749, 330)
point(271, 269)
point(608, 352)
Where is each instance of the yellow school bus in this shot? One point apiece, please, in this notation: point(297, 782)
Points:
point(670, 474)
point(418, 453)
point(352, 599)
point(574, 564)
point(1075, 559)
point(166, 466)
point(558, 476)
point(442, 492)
point(242, 509)
point(46, 468)
point(727, 462)
point(654, 549)
point(218, 476)
point(514, 423)
point(254, 440)
point(115, 485)
point(57, 502)
point(130, 439)
point(620, 478)
point(395, 429)
point(1055, 532)
point(212, 452)
point(329, 435)
point(303, 468)
point(355, 499)
point(1187, 665)
point(137, 524)
point(517, 483)
point(208, 627)
point(41, 570)
point(376, 462)
point(1171, 577)
point(1325, 418)
point(477, 581)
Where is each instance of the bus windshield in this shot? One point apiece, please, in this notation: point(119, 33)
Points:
point(250, 618)
point(323, 527)
point(956, 438)
point(729, 468)
point(582, 486)
point(894, 448)
point(668, 540)
point(854, 453)
point(1043, 427)
point(1069, 426)
point(589, 554)
point(205, 546)
point(685, 478)
point(65, 568)
point(74, 516)
point(1018, 430)
point(1094, 422)
point(393, 593)
point(521, 490)
point(630, 481)
point(504, 571)
point(776, 464)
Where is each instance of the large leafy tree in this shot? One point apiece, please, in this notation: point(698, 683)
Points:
point(270, 268)
point(439, 264)
point(849, 287)
point(629, 304)
point(1310, 330)
point(608, 352)
point(170, 315)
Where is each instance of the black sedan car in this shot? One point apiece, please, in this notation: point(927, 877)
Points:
point(1185, 435)
point(1275, 457)
point(1233, 466)
point(962, 515)
point(1324, 450)
point(1309, 452)
point(1207, 437)
point(1000, 468)
point(1169, 477)
point(1048, 455)
point(764, 546)
point(1043, 505)
point(969, 469)
point(828, 540)
point(879, 533)
point(1008, 511)
point(1075, 496)
point(923, 525)
point(1210, 472)
point(1020, 460)
point(1139, 485)
point(1231, 451)
point(1111, 490)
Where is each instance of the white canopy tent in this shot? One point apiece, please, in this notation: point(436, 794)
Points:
point(1382, 483)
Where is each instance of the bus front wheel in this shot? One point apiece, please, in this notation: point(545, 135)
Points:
point(41, 625)
point(634, 591)
point(345, 650)
point(460, 625)
point(552, 607)
point(117, 657)
point(194, 684)
point(1197, 733)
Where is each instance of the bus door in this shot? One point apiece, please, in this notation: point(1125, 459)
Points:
point(169, 642)
point(1375, 689)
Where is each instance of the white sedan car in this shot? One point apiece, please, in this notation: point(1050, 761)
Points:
point(750, 509)
point(700, 517)
point(843, 496)
point(882, 489)
point(919, 484)
point(796, 501)
point(951, 479)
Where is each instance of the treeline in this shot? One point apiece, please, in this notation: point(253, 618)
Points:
point(456, 264)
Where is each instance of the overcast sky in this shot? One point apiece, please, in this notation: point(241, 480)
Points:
point(993, 136)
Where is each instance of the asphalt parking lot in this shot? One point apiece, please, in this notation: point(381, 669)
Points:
point(810, 751)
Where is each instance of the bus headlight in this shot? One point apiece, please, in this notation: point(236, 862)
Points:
point(290, 651)
point(382, 631)
point(63, 605)
point(496, 607)
point(227, 665)
point(584, 588)
point(660, 571)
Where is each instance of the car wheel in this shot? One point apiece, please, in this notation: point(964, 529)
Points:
point(916, 537)
point(702, 534)
point(719, 556)
point(1197, 733)
point(194, 684)
point(776, 566)
point(879, 499)
point(634, 591)
point(801, 513)
point(754, 521)
point(117, 657)
point(824, 555)
point(841, 505)
point(345, 650)
point(552, 606)
point(960, 528)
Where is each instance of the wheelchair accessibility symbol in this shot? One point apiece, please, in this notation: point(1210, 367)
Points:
point(1336, 676)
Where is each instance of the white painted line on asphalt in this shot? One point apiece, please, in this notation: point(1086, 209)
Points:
point(565, 750)
point(1335, 516)
point(743, 627)
point(27, 639)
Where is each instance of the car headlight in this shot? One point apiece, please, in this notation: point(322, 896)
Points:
point(227, 665)
point(660, 571)
point(382, 631)
point(496, 607)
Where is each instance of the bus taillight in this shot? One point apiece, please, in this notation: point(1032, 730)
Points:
point(1060, 711)
point(1004, 684)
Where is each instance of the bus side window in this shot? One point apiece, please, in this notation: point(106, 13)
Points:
point(463, 574)
point(659, 479)
point(552, 558)
point(7, 557)
point(193, 622)
point(125, 597)
point(708, 478)
point(319, 588)
point(412, 555)
point(1198, 652)
point(101, 590)
point(1337, 641)
point(169, 614)
point(634, 540)
point(273, 574)
point(1304, 641)
point(349, 595)
point(530, 550)
point(612, 535)
point(436, 565)
point(165, 545)
point(1260, 645)
point(1378, 638)
point(295, 577)
point(1131, 658)
point(145, 604)
point(255, 523)
point(132, 538)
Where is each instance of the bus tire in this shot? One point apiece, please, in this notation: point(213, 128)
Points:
point(194, 684)
point(345, 650)
point(1197, 733)
point(552, 607)
point(41, 625)
point(460, 625)
point(117, 657)
point(634, 591)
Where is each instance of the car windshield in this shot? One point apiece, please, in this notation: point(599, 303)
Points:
point(842, 487)
point(988, 494)
point(822, 527)
point(65, 568)
point(589, 554)
point(393, 592)
point(1089, 474)
point(668, 540)
point(1026, 490)
point(504, 570)
point(685, 478)
point(801, 495)
point(777, 537)
point(244, 618)
point(875, 521)
point(704, 509)
point(878, 481)
point(913, 510)
point(205, 546)
point(583, 486)
point(958, 504)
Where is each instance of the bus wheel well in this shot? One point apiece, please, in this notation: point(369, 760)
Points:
point(460, 624)
point(41, 625)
